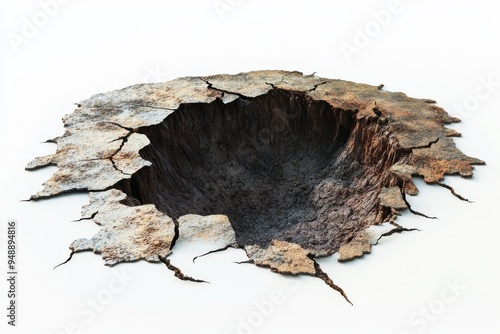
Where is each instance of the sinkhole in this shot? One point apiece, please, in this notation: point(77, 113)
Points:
point(301, 165)
point(281, 166)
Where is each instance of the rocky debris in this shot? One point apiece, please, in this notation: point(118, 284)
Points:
point(285, 166)
point(127, 233)
point(215, 229)
point(391, 197)
point(282, 257)
point(360, 245)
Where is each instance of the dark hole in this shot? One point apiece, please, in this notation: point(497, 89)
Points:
point(280, 166)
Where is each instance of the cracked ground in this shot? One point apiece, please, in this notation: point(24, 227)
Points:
point(287, 167)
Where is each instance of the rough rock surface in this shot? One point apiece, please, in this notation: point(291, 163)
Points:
point(391, 197)
point(285, 166)
point(362, 244)
point(283, 257)
point(214, 229)
point(127, 233)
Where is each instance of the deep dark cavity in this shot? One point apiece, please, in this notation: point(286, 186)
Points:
point(280, 166)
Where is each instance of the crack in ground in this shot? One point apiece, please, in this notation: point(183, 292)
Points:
point(216, 251)
point(398, 229)
point(121, 126)
point(319, 84)
point(176, 233)
point(432, 142)
point(274, 85)
point(86, 218)
point(115, 167)
point(178, 273)
point(124, 139)
point(414, 211)
point(324, 276)
point(154, 107)
point(210, 86)
point(51, 141)
point(450, 188)
point(69, 258)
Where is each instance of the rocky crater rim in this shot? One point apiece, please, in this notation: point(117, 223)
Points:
point(281, 166)
point(287, 166)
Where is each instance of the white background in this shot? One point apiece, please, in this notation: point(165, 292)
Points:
point(426, 49)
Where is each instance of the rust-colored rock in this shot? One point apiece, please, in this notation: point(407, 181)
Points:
point(285, 166)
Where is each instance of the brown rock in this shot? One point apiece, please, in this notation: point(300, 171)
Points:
point(127, 233)
point(282, 257)
point(360, 245)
